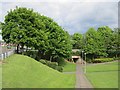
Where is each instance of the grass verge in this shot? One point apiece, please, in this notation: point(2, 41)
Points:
point(103, 75)
point(69, 67)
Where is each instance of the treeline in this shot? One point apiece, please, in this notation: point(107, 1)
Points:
point(103, 42)
point(49, 41)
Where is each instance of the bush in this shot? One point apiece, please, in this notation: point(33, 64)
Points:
point(61, 62)
point(59, 68)
point(118, 58)
point(53, 65)
point(76, 53)
point(101, 60)
point(31, 54)
point(43, 61)
point(96, 61)
point(89, 60)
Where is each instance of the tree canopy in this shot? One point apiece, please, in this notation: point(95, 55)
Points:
point(25, 27)
point(77, 40)
point(98, 42)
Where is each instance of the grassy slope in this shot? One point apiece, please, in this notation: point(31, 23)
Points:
point(23, 72)
point(69, 67)
point(103, 75)
point(0, 76)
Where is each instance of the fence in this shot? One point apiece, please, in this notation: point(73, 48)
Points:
point(6, 54)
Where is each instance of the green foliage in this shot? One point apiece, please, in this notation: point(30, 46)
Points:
point(93, 43)
point(31, 54)
point(77, 41)
point(101, 60)
point(59, 68)
point(101, 42)
point(76, 53)
point(53, 65)
point(18, 27)
point(25, 27)
point(106, 35)
point(43, 61)
point(116, 58)
point(61, 62)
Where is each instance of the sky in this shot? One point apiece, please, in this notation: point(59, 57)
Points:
point(75, 16)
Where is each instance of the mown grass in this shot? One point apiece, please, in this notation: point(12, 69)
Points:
point(24, 72)
point(0, 76)
point(69, 67)
point(103, 75)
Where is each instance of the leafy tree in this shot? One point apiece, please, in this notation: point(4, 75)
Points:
point(115, 42)
point(24, 27)
point(106, 35)
point(18, 27)
point(93, 43)
point(56, 41)
point(77, 41)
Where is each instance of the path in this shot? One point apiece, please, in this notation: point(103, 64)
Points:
point(81, 80)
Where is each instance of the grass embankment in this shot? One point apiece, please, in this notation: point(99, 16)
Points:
point(24, 72)
point(103, 75)
point(0, 75)
point(69, 67)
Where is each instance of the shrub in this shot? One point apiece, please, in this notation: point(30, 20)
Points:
point(61, 62)
point(101, 60)
point(76, 53)
point(59, 68)
point(43, 61)
point(96, 61)
point(53, 65)
point(116, 58)
point(31, 54)
point(89, 60)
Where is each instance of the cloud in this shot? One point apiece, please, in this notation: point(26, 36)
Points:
point(73, 16)
point(60, 1)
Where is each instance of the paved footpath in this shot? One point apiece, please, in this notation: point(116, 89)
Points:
point(81, 80)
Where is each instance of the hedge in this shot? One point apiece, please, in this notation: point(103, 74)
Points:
point(101, 60)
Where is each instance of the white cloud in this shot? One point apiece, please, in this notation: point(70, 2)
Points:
point(74, 16)
point(60, 1)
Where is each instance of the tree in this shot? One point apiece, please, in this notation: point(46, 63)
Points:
point(22, 26)
point(77, 41)
point(106, 35)
point(93, 43)
point(57, 42)
point(115, 42)
point(18, 27)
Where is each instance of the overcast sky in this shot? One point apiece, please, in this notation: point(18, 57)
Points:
point(74, 16)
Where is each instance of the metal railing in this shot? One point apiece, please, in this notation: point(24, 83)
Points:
point(6, 53)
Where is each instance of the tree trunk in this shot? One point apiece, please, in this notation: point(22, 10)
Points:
point(93, 57)
point(18, 48)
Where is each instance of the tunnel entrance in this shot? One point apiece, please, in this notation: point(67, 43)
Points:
point(76, 58)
